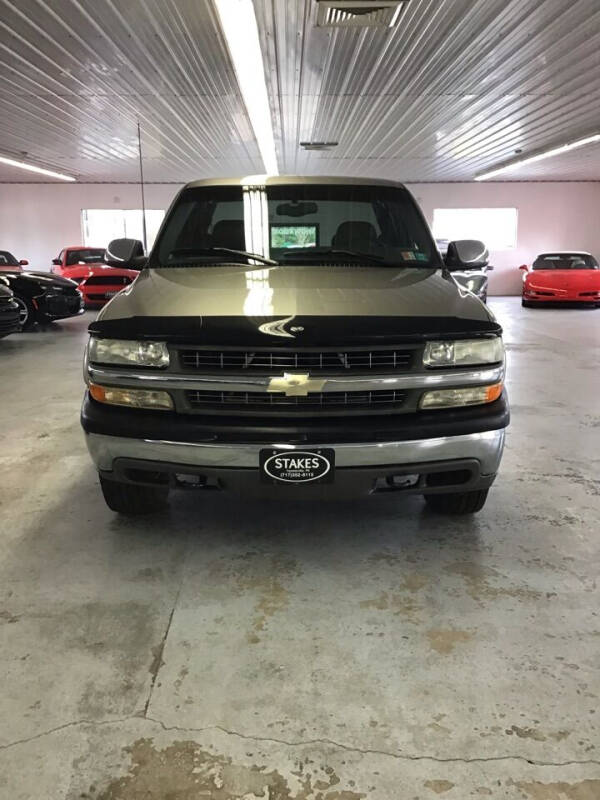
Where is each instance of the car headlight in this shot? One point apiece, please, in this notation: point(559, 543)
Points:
point(133, 398)
point(124, 351)
point(463, 352)
point(452, 398)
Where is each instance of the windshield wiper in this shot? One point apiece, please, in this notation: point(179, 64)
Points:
point(190, 252)
point(317, 252)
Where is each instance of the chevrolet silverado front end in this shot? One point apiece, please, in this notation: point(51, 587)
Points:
point(295, 334)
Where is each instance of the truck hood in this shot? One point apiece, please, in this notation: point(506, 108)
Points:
point(263, 305)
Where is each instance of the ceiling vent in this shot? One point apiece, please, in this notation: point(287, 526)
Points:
point(318, 145)
point(359, 13)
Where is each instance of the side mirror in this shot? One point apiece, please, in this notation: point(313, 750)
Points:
point(23, 262)
point(57, 261)
point(467, 254)
point(523, 267)
point(125, 253)
point(489, 268)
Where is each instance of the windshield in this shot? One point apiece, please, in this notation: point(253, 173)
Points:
point(7, 259)
point(317, 224)
point(565, 261)
point(89, 255)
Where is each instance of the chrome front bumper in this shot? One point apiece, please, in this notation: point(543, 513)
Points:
point(486, 448)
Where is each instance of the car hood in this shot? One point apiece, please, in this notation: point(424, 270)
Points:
point(563, 279)
point(275, 305)
point(44, 279)
point(473, 280)
point(87, 270)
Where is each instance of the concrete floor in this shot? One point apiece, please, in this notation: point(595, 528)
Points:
point(282, 651)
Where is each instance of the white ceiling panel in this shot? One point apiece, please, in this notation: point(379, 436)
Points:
point(77, 75)
point(456, 88)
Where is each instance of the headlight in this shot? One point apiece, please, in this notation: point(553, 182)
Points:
point(471, 284)
point(449, 398)
point(463, 352)
point(134, 398)
point(123, 351)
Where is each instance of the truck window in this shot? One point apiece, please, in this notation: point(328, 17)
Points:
point(284, 222)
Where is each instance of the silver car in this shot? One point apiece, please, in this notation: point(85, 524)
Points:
point(473, 279)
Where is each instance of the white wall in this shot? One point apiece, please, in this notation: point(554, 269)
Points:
point(37, 220)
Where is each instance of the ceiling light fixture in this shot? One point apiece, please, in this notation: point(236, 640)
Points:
point(30, 168)
point(555, 151)
point(359, 13)
point(238, 22)
point(318, 145)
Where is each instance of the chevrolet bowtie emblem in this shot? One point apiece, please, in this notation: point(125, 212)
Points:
point(295, 385)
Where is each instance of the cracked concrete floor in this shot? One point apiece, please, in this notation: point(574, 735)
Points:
point(232, 649)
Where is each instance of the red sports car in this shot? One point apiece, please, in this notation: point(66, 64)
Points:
point(97, 281)
point(568, 276)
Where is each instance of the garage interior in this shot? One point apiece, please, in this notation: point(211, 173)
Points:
point(237, 648)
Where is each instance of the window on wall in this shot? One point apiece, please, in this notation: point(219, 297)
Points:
point(101, 225)
point(495, 227)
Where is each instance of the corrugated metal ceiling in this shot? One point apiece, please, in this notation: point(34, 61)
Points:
point(77, 74)
point(454, 89)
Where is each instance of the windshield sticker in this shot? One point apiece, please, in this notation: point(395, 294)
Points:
point(408, 255)
point(421, 257)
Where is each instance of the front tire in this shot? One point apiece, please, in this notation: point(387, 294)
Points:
point(129, 498)
point(26, 313)
point(457, 502)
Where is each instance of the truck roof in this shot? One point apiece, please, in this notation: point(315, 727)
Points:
point(282, 180)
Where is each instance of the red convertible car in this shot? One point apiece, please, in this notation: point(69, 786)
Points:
point(569, 276)
point(97, 281)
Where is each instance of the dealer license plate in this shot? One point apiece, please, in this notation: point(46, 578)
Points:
point(297, 466)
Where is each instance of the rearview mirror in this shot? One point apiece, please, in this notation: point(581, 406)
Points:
point(125, 253)
point(23, 262)
point(467, 254)
point(296, 209)
point(523, 266)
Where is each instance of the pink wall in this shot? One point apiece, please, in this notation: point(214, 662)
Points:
point(37, 220)
point(559, 216)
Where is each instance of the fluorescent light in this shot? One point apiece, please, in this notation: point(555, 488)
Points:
point(238, 22)
point(22, 165)
point(394, 19)
point(555, 151)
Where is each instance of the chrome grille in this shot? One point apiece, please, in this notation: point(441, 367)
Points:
point(314, 401)
point(278, 360)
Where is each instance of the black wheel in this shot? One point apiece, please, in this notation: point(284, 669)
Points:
point(26, 313)
point(527, 303)
point(457, 502)
point(127, 498)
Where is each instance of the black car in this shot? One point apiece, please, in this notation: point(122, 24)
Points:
point(40, 296)
point(9, 311)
